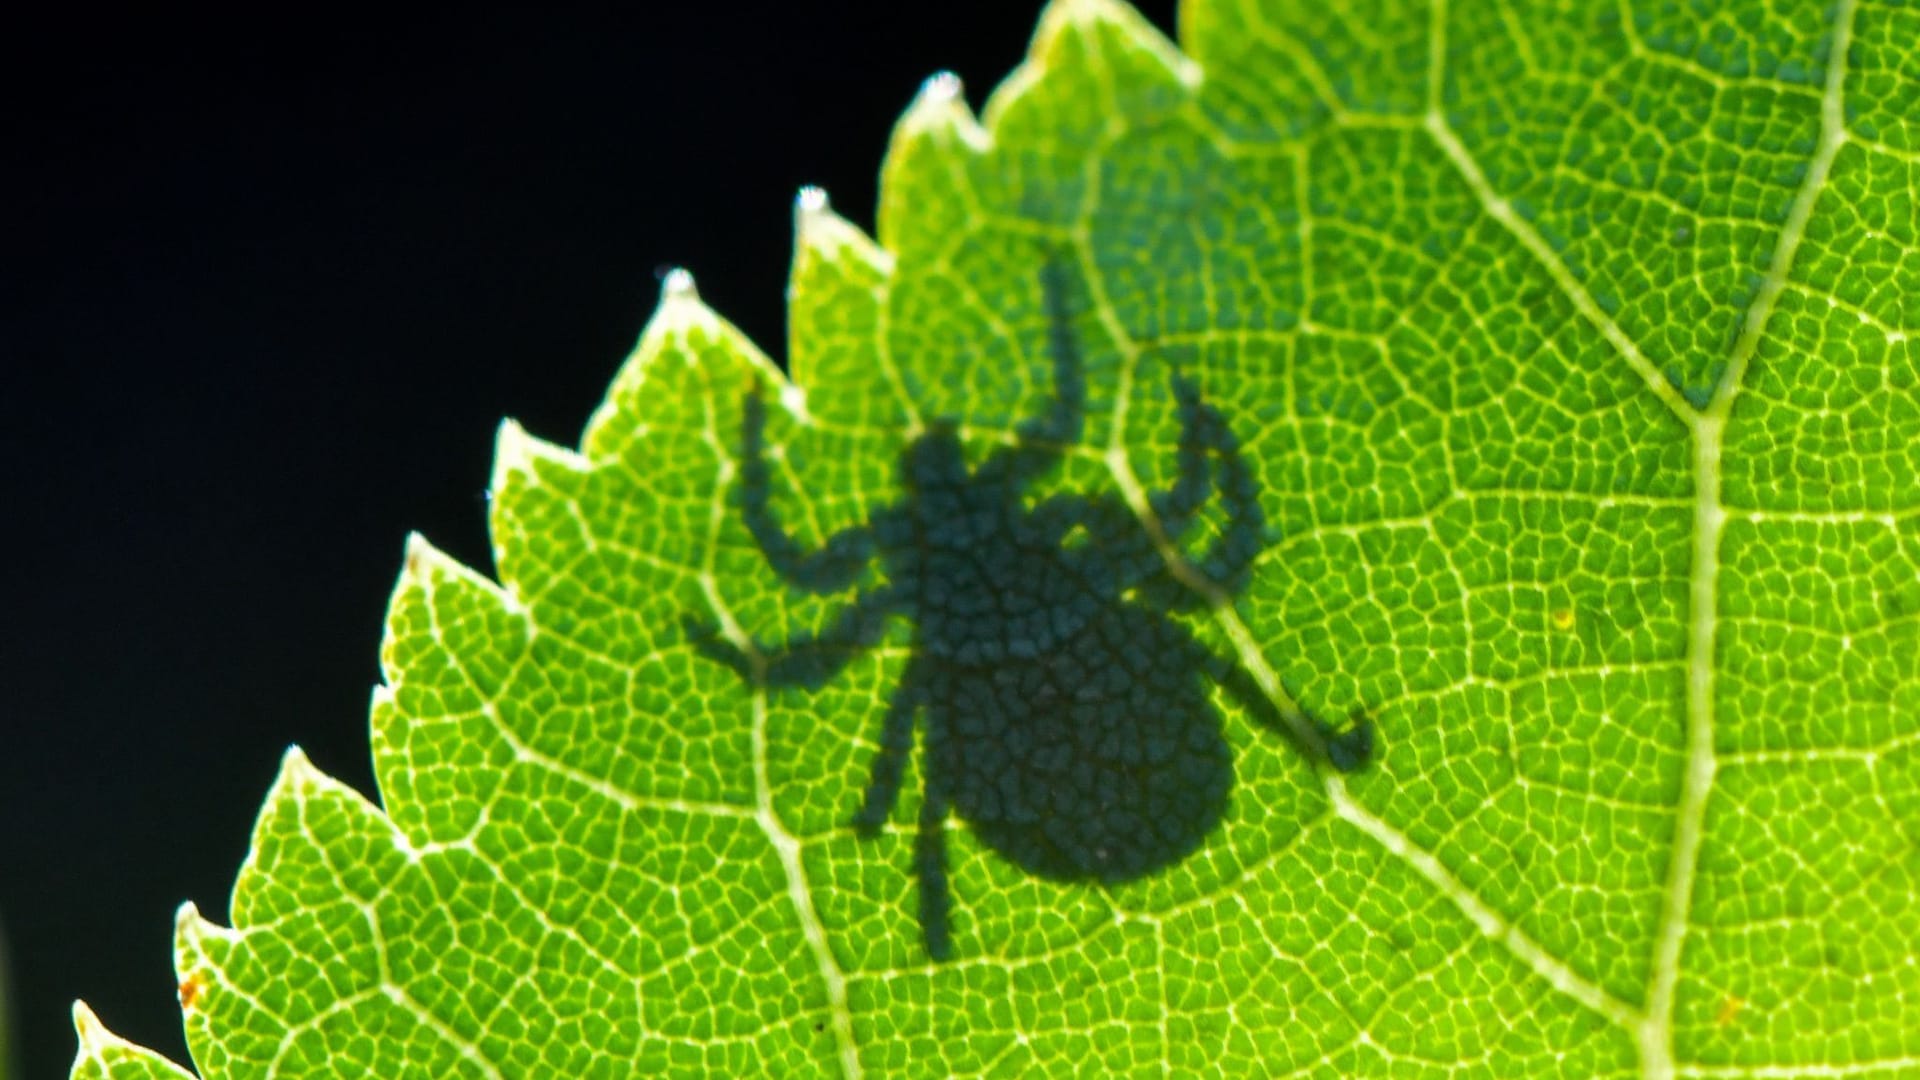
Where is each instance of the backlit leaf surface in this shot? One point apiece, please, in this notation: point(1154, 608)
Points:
point(1569, 347)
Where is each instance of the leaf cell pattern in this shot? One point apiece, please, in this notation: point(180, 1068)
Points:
point(1570, 350)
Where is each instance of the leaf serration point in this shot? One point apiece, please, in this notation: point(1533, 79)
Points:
point(677, 284)
point(680, 310)
point(296, 769)
point(427, 566)
point(190, 928)
point(1120, 18)
point(818, 229)
point(419, 559)
point(940, 109)
point(511, 454)
point(93, 1034)
point(943, 86)
point(515, 450)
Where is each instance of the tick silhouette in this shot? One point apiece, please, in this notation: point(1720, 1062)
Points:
point(1067, 716)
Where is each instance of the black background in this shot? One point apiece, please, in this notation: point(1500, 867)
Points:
point(267, 285)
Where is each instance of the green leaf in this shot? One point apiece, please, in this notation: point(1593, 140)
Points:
point(104, 1055)
point(1568, 350)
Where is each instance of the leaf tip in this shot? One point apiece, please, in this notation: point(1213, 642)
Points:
point(510, 435)
point(940, 112)
point(681, 313)
point(677, 284)
point(425, 568)
point(299, 775)
point(819, 232)
point(188, 923)
point(942, 87)
point(515, 450)
point(1118, 18)
point(94, 1036)
point(425, 564)
point(112, 1055)
point(191, 931)
point(420, 554)
point(296, 768)
point(511, 454)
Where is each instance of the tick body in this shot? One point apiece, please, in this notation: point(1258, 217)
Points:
point(1066, 714)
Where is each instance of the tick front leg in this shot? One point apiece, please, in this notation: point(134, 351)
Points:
point(1229, 558)
point(836, 565)
point(813, 662)
point(809, 662)
point(1200, 425)
point(1040, 441)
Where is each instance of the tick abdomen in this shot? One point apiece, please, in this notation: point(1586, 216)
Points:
point(1100, 759)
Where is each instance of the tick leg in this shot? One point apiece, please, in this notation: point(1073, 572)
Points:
point(1119, 554)
point(930, 866)
point(836, 565)
point(812, 662)
point(930, 841)
point(1041, 440)
point(1127, 553)
point(1229, 558)
point(1344, 751)
point(1065, 417)
point(896, 741)
point(807, 661)
point(1199, 427)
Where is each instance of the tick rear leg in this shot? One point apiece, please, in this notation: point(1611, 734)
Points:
point(930, 840)
point(1344, 751)
point(896, 741)
point(930, 866)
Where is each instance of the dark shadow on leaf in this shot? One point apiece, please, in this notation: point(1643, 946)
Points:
point(1066, 717)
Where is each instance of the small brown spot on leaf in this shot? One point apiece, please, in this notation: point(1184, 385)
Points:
point(1563, 618)
point(191, 991)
